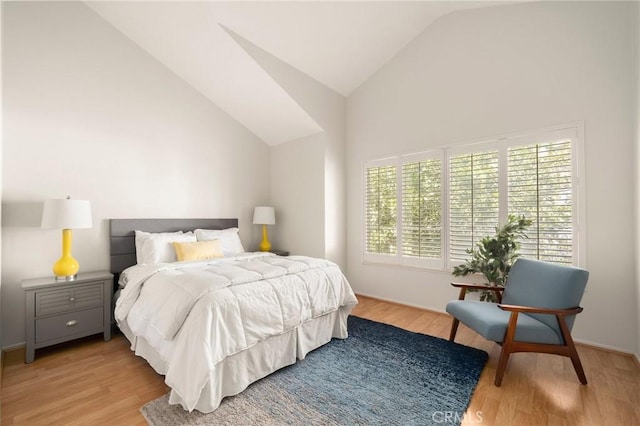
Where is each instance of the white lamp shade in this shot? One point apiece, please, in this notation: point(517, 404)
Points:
point(66, 214)
point(264, 216)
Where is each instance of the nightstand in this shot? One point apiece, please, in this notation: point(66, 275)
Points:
point(279, 252)
point(59, 311)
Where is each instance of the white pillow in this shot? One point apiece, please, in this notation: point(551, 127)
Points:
point(229, 238)
point(158, 247)
point(142, 236)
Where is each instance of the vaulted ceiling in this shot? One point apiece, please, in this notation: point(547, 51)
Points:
point(340, 44)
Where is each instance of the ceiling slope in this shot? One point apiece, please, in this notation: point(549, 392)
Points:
point(339, 44)
point(187, 39)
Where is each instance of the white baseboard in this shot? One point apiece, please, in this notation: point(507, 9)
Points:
point(411, 305)
point(603, 347)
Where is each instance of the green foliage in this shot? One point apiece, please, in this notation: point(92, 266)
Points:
point(421, 208)
point(493, 256)
point(381, 210)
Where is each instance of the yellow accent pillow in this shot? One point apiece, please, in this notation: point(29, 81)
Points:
point(201, 250)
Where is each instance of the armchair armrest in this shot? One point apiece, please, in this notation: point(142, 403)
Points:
point(478, 286)
point(534, 310)
point(466, 286)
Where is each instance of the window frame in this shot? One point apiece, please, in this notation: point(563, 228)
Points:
point(577, 190)
point(377, 257)
point(473, 148)
point(502, 143)
point(412, 261)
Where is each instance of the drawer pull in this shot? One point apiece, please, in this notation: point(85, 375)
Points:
point(72, 299)
point(72, 323)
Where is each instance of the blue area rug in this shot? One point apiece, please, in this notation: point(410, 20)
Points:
point(380, 375)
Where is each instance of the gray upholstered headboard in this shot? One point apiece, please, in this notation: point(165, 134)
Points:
point(122, 235)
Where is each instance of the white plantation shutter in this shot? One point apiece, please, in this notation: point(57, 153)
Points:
point(381, 212)
point(427, 209)
point(422, 210)
point(541, 188)
point(473, 200)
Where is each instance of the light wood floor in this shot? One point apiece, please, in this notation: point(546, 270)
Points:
point(92, 382)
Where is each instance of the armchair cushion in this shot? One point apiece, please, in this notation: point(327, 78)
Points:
point(491, 322)
point(545, 285)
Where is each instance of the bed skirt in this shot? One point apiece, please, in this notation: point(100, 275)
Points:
point(236, 372)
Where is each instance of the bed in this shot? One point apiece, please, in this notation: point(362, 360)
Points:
point(212, 327)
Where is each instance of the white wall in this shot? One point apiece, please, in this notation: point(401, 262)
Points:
point(1, 127)
point(328, 109)
point(637, 179)
point(297, 181)
point(88, 113)
point(497, 70)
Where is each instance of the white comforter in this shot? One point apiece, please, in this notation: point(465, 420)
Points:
point(210, 310)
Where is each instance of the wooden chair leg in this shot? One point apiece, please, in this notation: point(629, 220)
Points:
point(573, 352)
point(577, 365)
point(509, 335)
point(502, 365)
point(454, 329)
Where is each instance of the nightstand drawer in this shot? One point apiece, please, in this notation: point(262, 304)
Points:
point(57, 311)
point(67, 299)
point(69, 324)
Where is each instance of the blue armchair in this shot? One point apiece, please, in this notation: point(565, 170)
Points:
point(535, 313)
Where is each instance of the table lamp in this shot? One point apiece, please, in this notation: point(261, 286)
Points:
point(66, 214)
point(264, 216)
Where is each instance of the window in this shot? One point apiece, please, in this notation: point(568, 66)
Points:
point(473, 200)
point(421, 195)
point(381, 236)
point(541, 187)
point(427, 209)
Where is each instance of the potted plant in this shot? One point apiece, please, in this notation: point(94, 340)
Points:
point(493, 256)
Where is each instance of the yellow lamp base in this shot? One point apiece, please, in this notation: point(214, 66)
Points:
point(66, 268)
point(265, 245)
